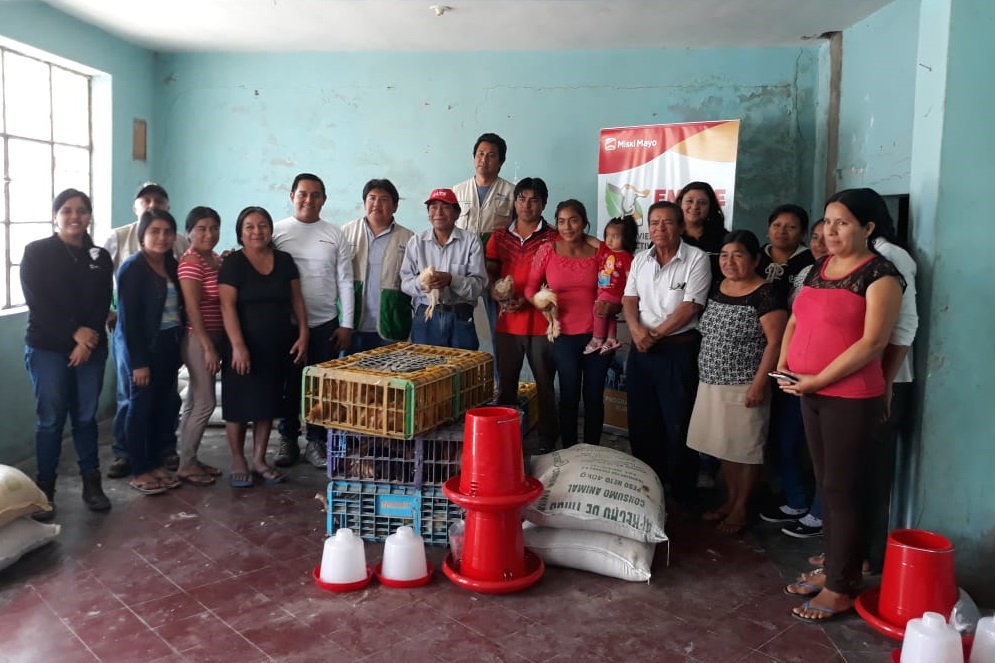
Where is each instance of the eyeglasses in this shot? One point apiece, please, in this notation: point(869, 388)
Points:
point(529, 201)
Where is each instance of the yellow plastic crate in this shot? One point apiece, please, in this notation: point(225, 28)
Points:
point(529, 402)
point(397, 391)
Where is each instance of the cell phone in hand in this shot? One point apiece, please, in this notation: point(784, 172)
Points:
point(778, 375)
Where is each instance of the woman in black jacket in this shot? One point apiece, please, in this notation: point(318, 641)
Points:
point(67, 284)
point(150, 318)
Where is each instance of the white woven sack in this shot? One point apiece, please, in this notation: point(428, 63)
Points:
point(599, 489)
point(19, 496)
point(22, 536)
point(605, 554)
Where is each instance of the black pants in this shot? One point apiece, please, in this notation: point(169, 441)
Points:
point(580, 376)
point(510, 352)
point(840, 434)
point(319, 349)
point(661, 386)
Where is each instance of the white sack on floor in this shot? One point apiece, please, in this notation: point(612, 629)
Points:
point(605, 554)
point(599, 489)
point(22, 536)
point(19, 496)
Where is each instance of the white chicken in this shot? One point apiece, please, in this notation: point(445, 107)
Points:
point(545, 301)
point(504, 289)
point(424, 279)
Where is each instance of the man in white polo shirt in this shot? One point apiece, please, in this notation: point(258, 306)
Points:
point(324, 258)
point(666, 291)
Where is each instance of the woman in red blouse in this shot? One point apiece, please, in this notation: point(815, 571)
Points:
point(840, 324)
point(570, 268)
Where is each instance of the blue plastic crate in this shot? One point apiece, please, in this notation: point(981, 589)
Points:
point(428, 460)
point(375, 510)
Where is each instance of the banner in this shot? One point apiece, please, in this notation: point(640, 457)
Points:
point(637, 166)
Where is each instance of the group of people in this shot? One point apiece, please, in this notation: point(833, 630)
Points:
point(711, 315)
point(814, 341)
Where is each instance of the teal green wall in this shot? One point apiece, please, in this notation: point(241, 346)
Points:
point(413, 117)
point(877, 89)
point(916, 122)
point(128, 73)
point(953, 158)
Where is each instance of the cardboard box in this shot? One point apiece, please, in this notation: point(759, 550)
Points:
point(615, 396)
point(615, 409)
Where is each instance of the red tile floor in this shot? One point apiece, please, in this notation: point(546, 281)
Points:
point(219, 574)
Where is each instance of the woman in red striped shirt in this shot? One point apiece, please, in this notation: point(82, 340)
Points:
point(201, 349)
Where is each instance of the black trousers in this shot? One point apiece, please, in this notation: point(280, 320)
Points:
point(840, 434)
point(661, 386)
point(511, 350)
point(319, 349)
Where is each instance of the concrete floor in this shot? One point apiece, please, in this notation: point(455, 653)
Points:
point(219, 574)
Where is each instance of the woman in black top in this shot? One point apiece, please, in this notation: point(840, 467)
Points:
point(67, 284)
point(785, 255)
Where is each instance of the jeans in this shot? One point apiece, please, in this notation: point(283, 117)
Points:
point(151, 420)
point(122, 395)
point(123, 381)
point(580, 375)
point(444, 330)
point(790, 446)
point(492, 310)
point(363, 341)
point(62, 391)
point(319, 349)
point(661, 386)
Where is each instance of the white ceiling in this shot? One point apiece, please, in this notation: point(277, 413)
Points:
point(471, 25)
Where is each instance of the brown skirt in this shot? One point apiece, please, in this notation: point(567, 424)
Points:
point(722, 426)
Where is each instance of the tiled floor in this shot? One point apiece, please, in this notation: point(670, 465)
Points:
point(217, 574)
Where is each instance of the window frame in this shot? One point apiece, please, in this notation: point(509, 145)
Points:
point(52, 62)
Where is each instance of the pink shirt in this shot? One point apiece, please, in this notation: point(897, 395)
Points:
point(575, 282)
point(829, 318)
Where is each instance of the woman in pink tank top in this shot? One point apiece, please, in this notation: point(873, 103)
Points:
point(569, 268)
point(841, 322)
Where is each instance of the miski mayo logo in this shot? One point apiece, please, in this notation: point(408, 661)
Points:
point(612, 143)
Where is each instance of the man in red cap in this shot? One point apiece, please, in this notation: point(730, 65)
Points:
point(457, 259)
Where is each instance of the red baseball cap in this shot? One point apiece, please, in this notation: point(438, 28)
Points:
point(443, 195)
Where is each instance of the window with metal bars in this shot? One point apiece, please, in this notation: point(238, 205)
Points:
point(46, 146)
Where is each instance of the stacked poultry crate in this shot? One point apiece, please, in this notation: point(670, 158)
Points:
point(395, 434)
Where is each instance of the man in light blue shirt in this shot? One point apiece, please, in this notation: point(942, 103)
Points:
point(457, 257)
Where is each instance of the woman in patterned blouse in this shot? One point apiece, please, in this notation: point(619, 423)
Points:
point(741, 331)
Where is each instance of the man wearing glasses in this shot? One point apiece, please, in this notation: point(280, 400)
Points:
point(521, 328)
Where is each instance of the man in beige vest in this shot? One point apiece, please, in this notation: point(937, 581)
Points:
point(486, 204)
point(122, 244)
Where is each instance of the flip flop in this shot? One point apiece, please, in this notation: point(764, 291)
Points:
point(240, 480)
point(269, 476)
point(197, 479)
point(209, 469)
point(813, 589)
point(730, 529)
point(148, 487)
point(829, 613)
point(714, 516)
